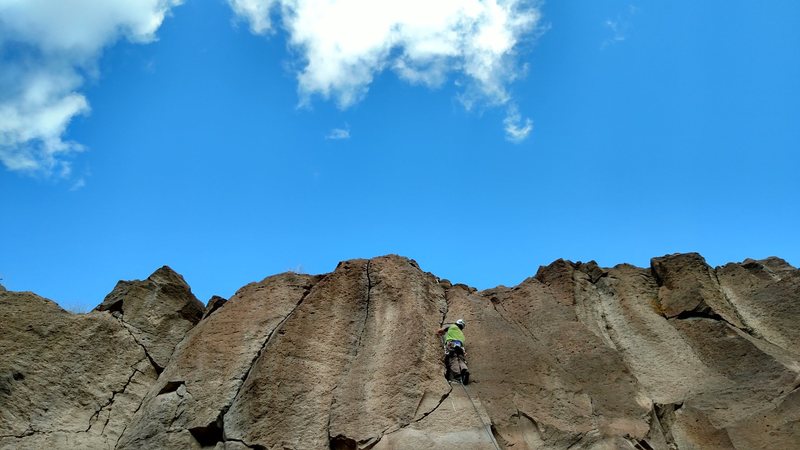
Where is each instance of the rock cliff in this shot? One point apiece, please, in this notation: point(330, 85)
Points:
point(679, 355)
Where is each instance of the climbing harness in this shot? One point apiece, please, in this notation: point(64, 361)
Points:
point(487, 428)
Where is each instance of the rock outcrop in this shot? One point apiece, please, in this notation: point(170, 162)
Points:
point(676, 356)
point(157, 311)
point(76, 380)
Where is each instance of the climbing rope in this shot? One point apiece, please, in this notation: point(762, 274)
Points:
point(486, 427)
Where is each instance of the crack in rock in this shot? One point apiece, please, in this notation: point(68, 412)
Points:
point(128, 327)
point(253, 446)
point(446, 307)
point(341, 441)
point(110, 401)
point(30, 432)
point(220, 420)
point(386, 432)
point(125, 428)
point(366, 314)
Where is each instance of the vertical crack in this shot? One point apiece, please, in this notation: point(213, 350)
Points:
point(366, 314)
point(446, 307)
point(333, 439)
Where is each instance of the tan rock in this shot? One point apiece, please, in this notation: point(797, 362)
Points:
point(355, 360)
point(157, 311)
point(675, 356)
point(689, 286)
point(663, 361)
point(214, 303)
point(766, 295)
point(186, 407)
point(66, 380)
point(536, 366)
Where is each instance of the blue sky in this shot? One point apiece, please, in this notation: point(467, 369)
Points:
point(197, 142)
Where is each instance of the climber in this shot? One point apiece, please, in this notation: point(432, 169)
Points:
point(455, 353)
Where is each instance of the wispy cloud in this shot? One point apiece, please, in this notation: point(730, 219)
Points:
point(79, 184)
point(337, 134)
point(617, 32)
point(343, 45)
point(619, 26)
point(48, 48)
point(517, 128)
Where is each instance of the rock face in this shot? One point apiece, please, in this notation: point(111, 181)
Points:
point(157, 311)
point(676, 356)
point(75, 381)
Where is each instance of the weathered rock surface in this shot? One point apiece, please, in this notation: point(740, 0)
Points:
point(214, 303)
point(186, 407)
point(75, 381)
point(158, 311)
point(676, 356)
point(765, 295)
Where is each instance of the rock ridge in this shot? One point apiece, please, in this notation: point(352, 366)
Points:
point(678, 355)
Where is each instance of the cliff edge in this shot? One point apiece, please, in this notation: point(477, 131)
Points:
point(679, 355)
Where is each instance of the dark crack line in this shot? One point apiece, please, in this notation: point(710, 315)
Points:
point(384, 432)
point(110, 401)
point(613, 334)
point(119, 438)
point(746, 327)
point(444, 397)
point(665, 421)
point(178, 416)
point(23, 435)
point(424, 415)
point(125, 428)
point(576, 441)
point(30, 432)
point(717, 318)
point(366, 314)
point(264, 345)
point(253, 446)
point(446, 307)
point(357, 347)
point(153, 362)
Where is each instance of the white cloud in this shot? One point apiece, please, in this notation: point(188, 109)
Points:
point(47, 49)
point(517, 129)
point(338, 134)
point(256, 12)
point(619, 26)
point(344, 44)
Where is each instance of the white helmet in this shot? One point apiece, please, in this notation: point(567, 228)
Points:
point(460, 323)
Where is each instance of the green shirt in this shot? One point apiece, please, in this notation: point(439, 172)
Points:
point(454, 334)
